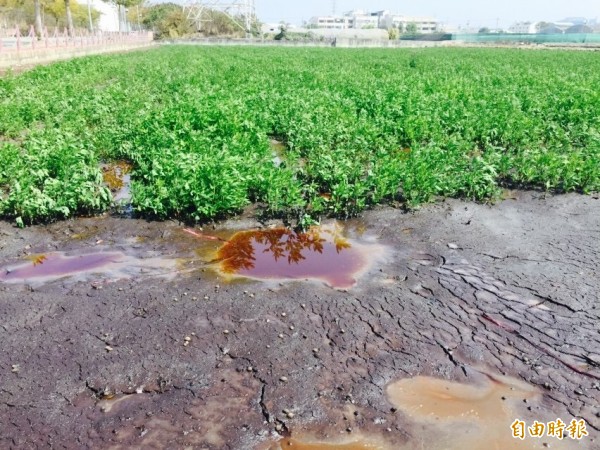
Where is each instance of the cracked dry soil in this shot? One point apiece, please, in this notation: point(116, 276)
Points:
point(195, 361)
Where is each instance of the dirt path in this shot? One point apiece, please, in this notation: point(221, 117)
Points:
point(466, 292)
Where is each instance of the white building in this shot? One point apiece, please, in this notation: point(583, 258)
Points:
point(331, 22)
point(109, 18)
point(360, 20)
point(424, 25)
point(523, 28)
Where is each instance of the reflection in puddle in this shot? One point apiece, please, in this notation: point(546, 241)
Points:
point(321, 253)
point(458, 416)
point(278, 150)
point(117, 178)
point(54, 266)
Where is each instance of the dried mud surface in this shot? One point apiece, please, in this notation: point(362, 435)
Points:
point(196, 361)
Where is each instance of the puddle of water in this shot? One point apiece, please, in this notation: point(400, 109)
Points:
point(295, 444)
point(322, 253)
point(455, 416)
point(278, 150)
point(57, 265)
point(117, 178)
point(54, 266)
point(425, 397)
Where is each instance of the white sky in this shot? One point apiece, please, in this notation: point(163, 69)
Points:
point(455, 12)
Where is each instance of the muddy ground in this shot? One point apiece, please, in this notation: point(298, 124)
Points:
point(464, 292)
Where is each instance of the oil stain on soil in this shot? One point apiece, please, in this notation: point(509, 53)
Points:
point(58, 265)
point(40, 269)
point(321, 253)
point(297, 444)
point(476, 416)
point(466, 277)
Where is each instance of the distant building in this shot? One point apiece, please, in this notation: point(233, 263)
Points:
point(576, 21)
point(570, 25)
point(109, 18)
point(332, 22)
point(523, 28)
point(579, 29)
point(424, 25)
point(549, 28)
point(360, 20)
point(563, 25)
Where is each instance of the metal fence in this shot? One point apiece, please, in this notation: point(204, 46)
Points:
point(14, 42)
point(585, 39)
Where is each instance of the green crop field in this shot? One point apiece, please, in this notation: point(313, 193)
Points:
point(360, 127)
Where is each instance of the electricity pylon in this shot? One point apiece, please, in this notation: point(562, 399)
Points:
point(241, 12)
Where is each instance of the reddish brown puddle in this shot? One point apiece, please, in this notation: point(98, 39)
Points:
point(56, 265)
point(113, 265)
point(322, 253)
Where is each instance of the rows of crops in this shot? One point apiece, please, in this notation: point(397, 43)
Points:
point(361, 127)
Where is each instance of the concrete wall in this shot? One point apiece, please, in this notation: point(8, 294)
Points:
point(371, 43)
point(252, 42)
point(348, 34)
point(339, 42)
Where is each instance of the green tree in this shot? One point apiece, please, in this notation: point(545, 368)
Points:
point(55, 14)
point(392, 34)
point(166, 20)
point(411, 28)
point(220, 24)
point(282, 35)
point(52, 13)
point(540, 26)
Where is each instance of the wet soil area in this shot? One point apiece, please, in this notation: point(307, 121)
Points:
point(454, 321)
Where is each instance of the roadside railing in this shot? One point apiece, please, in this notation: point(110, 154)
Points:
point(13, 41)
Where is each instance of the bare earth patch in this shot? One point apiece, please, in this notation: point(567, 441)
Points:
point(470, 298)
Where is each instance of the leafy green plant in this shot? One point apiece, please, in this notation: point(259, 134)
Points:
point(360, 127)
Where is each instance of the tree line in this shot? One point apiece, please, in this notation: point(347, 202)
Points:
point(57, 13)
